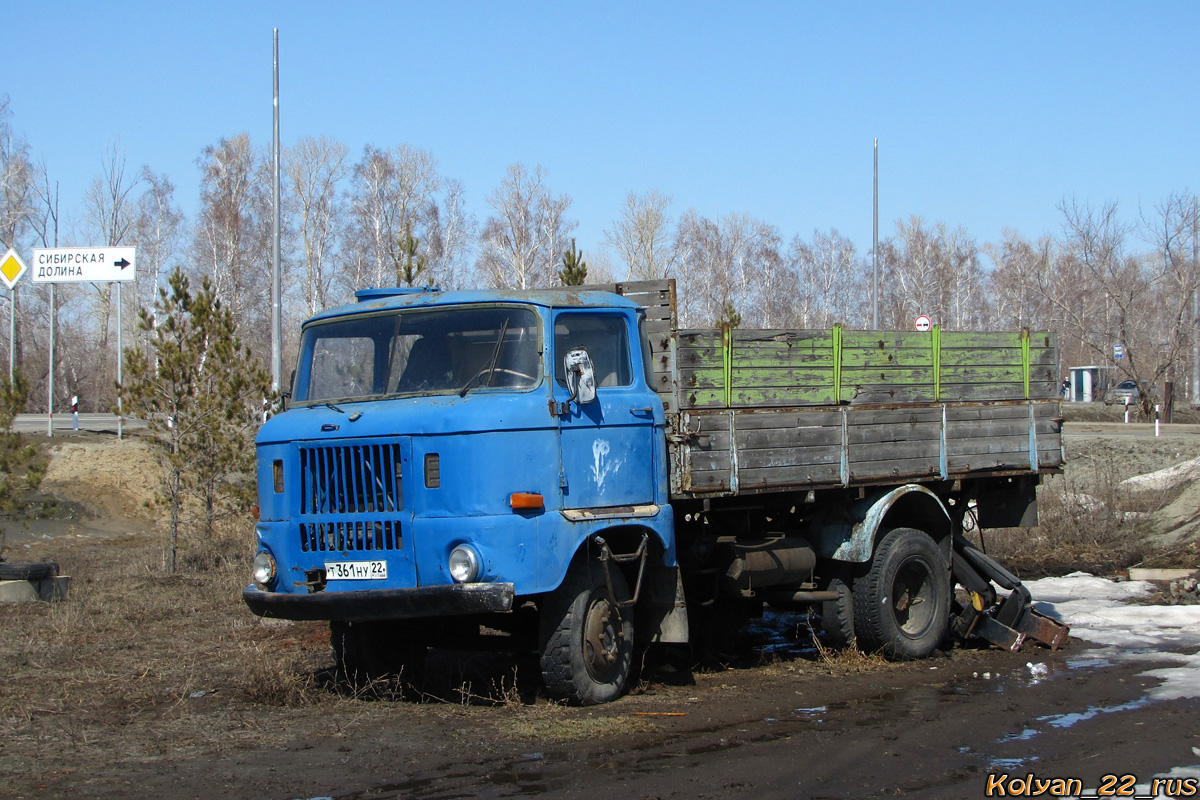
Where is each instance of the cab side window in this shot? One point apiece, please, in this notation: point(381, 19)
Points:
point(606, 338)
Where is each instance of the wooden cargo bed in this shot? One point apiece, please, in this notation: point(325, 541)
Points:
point(755, 411)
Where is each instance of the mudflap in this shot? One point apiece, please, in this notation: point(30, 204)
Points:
point(1006, 622)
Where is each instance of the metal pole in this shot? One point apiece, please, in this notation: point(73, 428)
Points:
point(875, 246)
point(120, 418)
point(1195, 305)
point(12, 333)
point(50, 391)
point(276, 281)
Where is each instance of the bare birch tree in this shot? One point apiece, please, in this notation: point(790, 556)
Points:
point(724, 266)
point(16, 181)
point(315, 170)
point(16, 191)
point(392, 191)
point(642, 236)
point(232, 243)
point(109, 216)
point(523, 242)
point(829, 283)
point(1018, 301)
point(450, 238)
point(932, 271)
point(157, 227)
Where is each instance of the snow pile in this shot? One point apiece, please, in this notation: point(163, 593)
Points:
point(1167, 478)
point(1098, 611)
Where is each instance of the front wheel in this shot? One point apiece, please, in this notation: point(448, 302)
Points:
point(902, 604)
point(586, 637)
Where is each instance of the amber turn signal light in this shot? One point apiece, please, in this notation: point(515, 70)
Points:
point(526, 501)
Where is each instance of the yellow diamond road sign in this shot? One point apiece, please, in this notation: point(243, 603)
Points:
point(11, 268)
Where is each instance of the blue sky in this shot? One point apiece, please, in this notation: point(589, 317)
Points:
point(988, 115)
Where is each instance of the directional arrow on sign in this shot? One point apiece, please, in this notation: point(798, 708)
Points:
point(122, 263)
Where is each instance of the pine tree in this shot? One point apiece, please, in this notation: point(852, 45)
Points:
point(413, 265)
point(574, 271)
point(15, 453)
point(201, 394)
point(730, 318)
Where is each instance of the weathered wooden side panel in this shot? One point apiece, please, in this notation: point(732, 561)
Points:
point(794, 447)
point(894, 443)
point(727, 451)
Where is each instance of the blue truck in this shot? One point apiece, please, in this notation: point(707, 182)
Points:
point(568, 472)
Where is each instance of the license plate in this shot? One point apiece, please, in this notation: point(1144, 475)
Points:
point(355, 570)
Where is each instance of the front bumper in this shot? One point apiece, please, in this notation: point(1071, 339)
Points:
point(380, 604)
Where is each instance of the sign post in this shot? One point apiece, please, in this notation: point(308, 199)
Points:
point(11, 270)
point(88, 265)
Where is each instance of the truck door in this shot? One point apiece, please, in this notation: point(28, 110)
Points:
point(607, 446)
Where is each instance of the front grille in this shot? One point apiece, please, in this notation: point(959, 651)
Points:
point(348, 497)
point(321, 537)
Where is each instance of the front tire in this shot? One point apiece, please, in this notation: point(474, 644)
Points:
point(902, 604)
point(587, 640)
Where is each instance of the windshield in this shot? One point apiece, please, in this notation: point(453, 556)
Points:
point(420, 352)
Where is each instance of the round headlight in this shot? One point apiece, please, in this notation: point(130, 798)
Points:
point(263, 568)
point(464, 564)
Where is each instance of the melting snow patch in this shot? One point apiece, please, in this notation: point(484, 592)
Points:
point(1098, 611)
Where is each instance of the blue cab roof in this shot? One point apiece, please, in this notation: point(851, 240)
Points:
point(371, 300)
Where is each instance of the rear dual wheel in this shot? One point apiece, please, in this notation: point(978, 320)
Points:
point(902, 603)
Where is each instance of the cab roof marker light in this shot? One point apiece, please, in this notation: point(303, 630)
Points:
point(367, 295)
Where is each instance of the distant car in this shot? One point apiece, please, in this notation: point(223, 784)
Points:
point(1122, 391)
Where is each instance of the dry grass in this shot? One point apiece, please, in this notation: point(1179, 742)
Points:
point(132, 658)
point(1088, 521)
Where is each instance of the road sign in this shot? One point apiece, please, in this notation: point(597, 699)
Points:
point(11, 268)
point(1118, 352)
point(82, 264)
point(924, 323)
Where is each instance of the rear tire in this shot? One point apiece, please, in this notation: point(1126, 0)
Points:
point(837, 616)
point(587, 641)
point(902, 604)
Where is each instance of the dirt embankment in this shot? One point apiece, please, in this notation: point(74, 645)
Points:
point(105, 477)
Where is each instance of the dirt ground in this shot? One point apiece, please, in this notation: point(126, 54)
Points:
point(148, 686)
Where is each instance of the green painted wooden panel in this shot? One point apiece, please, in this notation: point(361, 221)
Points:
point(782, 397)
point(870, 357)
point(773, 369)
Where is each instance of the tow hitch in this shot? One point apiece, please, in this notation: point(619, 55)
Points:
point(1005, 622)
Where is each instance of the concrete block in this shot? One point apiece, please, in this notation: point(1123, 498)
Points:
point(53, 589)
point(18, 592)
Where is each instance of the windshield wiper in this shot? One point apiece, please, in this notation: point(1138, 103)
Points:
point(335, 408)
point(491, 366)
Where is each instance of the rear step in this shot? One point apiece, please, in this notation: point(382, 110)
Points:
point(1005, 622)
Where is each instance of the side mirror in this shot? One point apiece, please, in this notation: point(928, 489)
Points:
point(581, 376)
